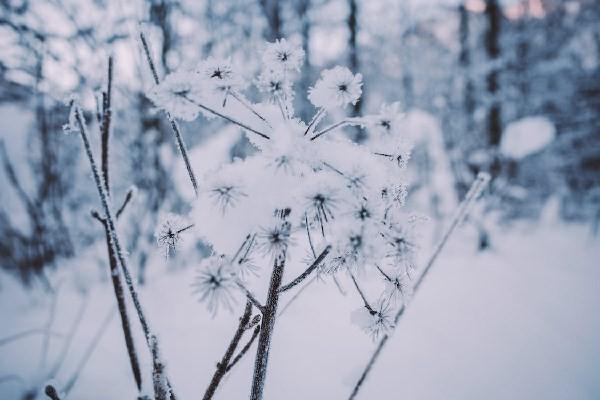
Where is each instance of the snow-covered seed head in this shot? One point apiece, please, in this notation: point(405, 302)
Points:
point(273, 82)
point(321, 205)
point(376, 322)
point(173, 95)
point(283, 55)
point(215, 283)
point(275, 240)
point(394, 195)
point(387, 122)
point(337, 87)
point(168, 235)
point(226, 195)
point(219, 74)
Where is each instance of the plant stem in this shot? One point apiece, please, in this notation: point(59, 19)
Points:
point(224, 363)
point(245, 348)
point(362, 295)
point(105, 124)
point(178, 137)
point(225, 117)
point(266, 330)
point(113, 235)
point(476, 188)
point(308, 271)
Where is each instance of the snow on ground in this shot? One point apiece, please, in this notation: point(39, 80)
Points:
point(518, 322)
point(527, 136)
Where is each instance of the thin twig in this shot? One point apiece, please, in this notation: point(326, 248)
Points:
point(362, 295)
point(105, 124)
point(224, 363)
point(111, 227)
point(332, 127)
point(314, 120)
point(225, 117)
point(476, 188)
point(297, 294)
point(250, 296)
point(178, 137)
point(244, 349)
point(249, 106)
point(308, 271)
point(126, 201)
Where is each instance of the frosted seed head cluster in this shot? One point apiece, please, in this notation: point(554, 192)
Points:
point(305, 180)
point(337, 87)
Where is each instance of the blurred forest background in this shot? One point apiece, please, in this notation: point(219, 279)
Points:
point(474, 76)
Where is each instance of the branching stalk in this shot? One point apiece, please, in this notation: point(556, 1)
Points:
point(224, 364)
point(110, 223)
point(476, 188)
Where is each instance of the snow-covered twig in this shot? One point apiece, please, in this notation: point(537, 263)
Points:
point(244, 349)
point(225, 117)
point(224, 364)
point(308, 271)
point(105, 123)
point(266, 330)
point(361, 293)
point(340, 124)
point(174, 126)
point(111, 227)
point(250, 296)
point(476, 188)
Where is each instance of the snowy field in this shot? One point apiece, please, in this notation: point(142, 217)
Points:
point(519, 321)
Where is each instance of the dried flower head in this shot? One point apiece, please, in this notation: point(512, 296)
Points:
point(168, 234)
point(275, 239)
point(226, 195)
point(173, 92)
point(337, 87)
point(376, 322)
point(387, 122)
point(283, 55)
point(215, 283)
point(220, 74)
point(274, 83)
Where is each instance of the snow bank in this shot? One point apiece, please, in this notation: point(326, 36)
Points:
point(526, 136)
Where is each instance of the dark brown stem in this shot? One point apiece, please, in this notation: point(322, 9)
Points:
point(126, 201)
point(223, 365)
point(362, 295)
point(105, 125)
point(266, 330)
point(110, 223)
point(244, 349)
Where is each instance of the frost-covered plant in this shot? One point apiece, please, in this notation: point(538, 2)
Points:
point(306, 185)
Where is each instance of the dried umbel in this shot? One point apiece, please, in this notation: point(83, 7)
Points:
point(304, 179)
